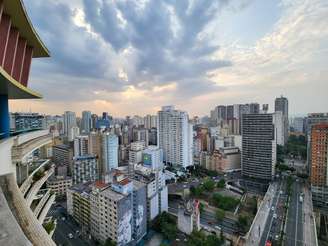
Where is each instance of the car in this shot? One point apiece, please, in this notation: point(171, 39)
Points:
point(272, 208)
point(275, 216)
point(63, 218)
point(218, 228)
point(70, 235)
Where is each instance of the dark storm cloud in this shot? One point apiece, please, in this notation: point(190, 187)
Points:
point(166, 37)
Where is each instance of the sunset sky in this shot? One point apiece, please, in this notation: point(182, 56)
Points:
point(131, 57)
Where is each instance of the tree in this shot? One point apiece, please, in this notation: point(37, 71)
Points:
point(221, 184)
point(219, 214)
point(201, 207)
point(209, 185)
point(224, 202)
point(109, 242)
point(243, 223)
point(169, 230)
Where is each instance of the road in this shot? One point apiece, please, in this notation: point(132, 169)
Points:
point(294, 229)
point(66, 226)
point(272, 228)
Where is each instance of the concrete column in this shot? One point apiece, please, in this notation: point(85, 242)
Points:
point(4, 117)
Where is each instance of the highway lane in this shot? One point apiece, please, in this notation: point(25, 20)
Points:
point(270, 220)
point(294, 228)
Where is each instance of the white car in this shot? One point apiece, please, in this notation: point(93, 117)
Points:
point(275, 216)
point(218, 228)
point(272, 208)
point(70, 235)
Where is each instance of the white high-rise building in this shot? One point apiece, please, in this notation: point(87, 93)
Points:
point(279, 122)
point(73, 132)
point(86, 122)
point(175, 136)
point(109, 151)
point(81, 146)
point(153, 157)
point(69, 121)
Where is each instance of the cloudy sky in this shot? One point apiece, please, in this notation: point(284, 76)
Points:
point(130, 57)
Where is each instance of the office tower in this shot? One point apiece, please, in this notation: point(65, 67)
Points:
point(84, 169)
point(86, 122)
point(19, 44)
point(319, 164)
point(152, 135)
point(175, 136)
point(119, 211)
point(73, 132)
point(81, 146)
point(109, 152)
point(230, 112)
point(69, 122)
point(140, 134)
point(281, 104)
point(258, 158)
point(280, 127)
point(150, 121)
point(202, 133)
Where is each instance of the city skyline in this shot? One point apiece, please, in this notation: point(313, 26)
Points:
point(110, 58)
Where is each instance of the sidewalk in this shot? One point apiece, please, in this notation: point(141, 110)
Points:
point(309, 227)
point(254, 235)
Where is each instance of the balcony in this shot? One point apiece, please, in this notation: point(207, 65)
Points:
point(28, 182)
point(46, 207)
point(39, 179)
point(26, 143)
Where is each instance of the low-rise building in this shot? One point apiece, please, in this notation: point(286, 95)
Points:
point(59, 184)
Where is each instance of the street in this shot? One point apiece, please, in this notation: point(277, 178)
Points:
point(294, 229)
point(65, 226)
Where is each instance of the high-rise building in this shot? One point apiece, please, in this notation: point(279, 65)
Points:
point(63, 156)
point(84, 169)
point(312, 120)
point(298, 124)
point(20, 122)
point(81, 145)
point(258, 157)
point(152, 136)
point(119, 211)
point(281, 104)
point(86, 125)
point(109, 152)
point(69, 121)
point(135, 152)
point(73, 132)
point(280, 127)
point(175, 137)
point(152, 157)
point(319, 164)
point(140, 134)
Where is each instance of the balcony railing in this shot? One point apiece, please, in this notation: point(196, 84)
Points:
point(37, 185)
point(28, 182)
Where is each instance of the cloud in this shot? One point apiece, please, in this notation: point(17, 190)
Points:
point(113, 46)
point(129, 55)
